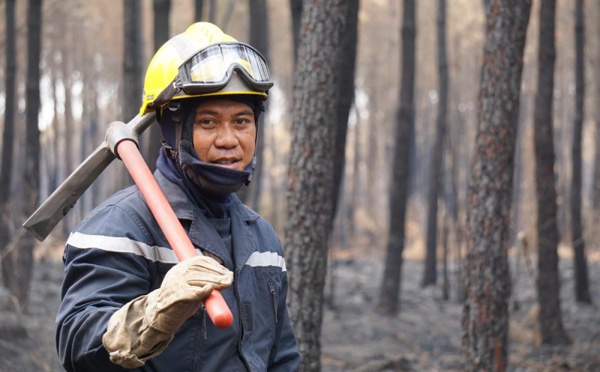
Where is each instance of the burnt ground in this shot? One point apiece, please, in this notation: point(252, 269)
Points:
point(425, 336)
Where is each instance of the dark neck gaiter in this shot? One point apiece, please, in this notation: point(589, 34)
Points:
point(209, 177)
point(215, 205)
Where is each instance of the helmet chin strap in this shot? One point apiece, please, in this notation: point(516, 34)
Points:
point(252, 169)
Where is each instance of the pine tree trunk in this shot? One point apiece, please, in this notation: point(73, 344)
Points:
point(485, 313)
point(198, 5)
point(346, 61)
point(133, 71)
point(152, 139)
point(310, 178)
point(8, 137)
point(596, 169)
point(31, 182)
point(259, 38)
point(296, 14)
point(132, 59)
point(548, 285)
point(437, 158)
point(391, 281)
point(582, 291)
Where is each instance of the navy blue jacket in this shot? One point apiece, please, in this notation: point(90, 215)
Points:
point(119, 253)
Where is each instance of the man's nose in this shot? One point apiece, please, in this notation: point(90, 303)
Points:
point(226, 136)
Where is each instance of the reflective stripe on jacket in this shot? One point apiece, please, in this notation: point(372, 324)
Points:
point(119, 253)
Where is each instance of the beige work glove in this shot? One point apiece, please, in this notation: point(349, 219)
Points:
point(143, 327)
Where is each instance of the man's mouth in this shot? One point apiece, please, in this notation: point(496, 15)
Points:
point(228, 163)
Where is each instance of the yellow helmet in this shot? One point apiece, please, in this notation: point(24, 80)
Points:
point(204, 61)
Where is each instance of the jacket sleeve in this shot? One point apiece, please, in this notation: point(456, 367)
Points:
point(285, 355)
point(102, 273)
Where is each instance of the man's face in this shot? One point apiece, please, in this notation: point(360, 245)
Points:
point(224, 133)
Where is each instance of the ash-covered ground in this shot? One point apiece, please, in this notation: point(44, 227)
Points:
point(425, 336)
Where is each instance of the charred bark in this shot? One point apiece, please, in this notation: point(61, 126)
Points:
point(437, 158)
point(485, 313)
point(391, 281)
point(311, 172)
point(582, 291)
point(548, 284)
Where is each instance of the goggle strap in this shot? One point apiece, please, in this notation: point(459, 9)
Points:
point(166, 95)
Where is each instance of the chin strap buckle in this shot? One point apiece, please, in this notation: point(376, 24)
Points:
point(169, 151)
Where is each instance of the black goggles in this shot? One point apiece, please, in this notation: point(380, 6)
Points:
point(210, 69)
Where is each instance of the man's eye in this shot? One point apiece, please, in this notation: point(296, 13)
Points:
point(243, 121)
point(204, 122)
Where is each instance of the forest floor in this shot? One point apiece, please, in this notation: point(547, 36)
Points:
point(425, 336)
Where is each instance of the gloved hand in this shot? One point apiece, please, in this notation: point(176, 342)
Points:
point(143, 327)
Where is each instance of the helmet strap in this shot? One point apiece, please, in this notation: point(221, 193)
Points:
point(253, 168)
point(175, 116)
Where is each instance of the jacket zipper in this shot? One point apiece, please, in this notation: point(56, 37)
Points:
point(204, 314)
point(273, 297)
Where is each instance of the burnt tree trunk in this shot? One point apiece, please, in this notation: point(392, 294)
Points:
point(259, 38)
point(133, 69)
point(548, 284)
point(198, 4)
point(346, 62)
point(391, 281)
point(596, 169)
point(68, 128)
point(437, 158)
point(31, 171)
point(310, 175)
point(212, 11)
point(8, 137)
point(485, 314)
point(161, 11)
point(582, 291)
point(296, 13)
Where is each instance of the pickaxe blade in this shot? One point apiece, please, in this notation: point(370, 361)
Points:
point(49, 214)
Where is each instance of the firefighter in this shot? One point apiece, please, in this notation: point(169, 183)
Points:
point(127, 303)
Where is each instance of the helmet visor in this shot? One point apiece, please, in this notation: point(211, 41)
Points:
point(210, 69)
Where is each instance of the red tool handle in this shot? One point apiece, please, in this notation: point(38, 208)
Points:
point(216, 307)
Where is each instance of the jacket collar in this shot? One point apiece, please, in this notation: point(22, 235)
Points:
point(184, 208)
point(201, 231)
